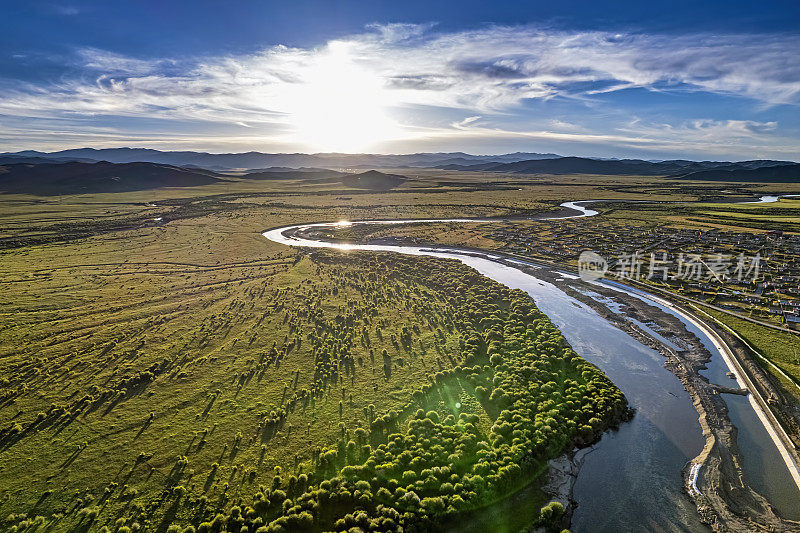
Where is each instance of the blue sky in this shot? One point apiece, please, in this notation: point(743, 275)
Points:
point(710, 80)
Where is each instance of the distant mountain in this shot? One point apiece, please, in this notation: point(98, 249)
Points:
point(372, 179)
point(469, 167)
point(582, 165)
point(761, 163)
point(35, 160)
point(487, 160)
point(518, 156)
point(78, 178)
point(280, 173)
point(767, 174)
point(258, 160)
point(200, 167)
point(569, 165)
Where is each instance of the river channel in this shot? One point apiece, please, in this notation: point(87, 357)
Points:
point(631, 480)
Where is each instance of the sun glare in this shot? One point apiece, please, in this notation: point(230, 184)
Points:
point(340, 106)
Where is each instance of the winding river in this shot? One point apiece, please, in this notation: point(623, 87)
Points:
point(631, 480)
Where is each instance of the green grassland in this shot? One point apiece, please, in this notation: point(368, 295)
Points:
point(147, 345)
point(165, 367)
point(427, 194)
point(784, 215)
point(778, 353)
point(726, 216)
point(164, 374)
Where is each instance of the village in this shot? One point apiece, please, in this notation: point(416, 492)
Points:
point(754, 274)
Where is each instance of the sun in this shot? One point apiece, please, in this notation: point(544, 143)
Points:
point(340, 106)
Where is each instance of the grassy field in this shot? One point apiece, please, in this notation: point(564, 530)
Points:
point(154, 344)
point(164, 366)
point(201, 307)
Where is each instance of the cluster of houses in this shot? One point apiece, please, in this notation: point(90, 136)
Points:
point(753, 273)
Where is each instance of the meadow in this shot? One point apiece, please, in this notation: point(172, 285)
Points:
point(163, 365)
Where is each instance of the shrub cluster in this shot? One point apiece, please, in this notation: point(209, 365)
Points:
point(413, 473)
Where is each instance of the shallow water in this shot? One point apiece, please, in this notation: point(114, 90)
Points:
point(764, 468)
point(631, 481)
point(763, 465)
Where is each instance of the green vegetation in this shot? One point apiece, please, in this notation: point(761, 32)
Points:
point(531, 394)
point(186, 373)
point(734, 217)
point(163, 366)
point(778, 354)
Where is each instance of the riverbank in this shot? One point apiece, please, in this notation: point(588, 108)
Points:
point(715, 479)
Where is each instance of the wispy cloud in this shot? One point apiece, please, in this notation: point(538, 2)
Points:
point(490, 72)
point(466, 122)
point(715, 139)
point(704, 129)
point(65, 10)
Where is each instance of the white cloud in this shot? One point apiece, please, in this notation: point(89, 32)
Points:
point(486, 72)
point(562, 125)
point(398, 32)
point(702, 138)
point(705, 130)
point(65, 10)
point(466, 122)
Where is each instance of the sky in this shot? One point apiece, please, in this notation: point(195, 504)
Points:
point(655, 79)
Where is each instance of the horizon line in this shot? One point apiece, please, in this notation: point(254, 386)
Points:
point(558, 156)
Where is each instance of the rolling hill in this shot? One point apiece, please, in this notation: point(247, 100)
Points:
point(77, 178)
point(583, 165)
point(36, 160)
point(374, 180)
point(280, 173)
point(769, 174)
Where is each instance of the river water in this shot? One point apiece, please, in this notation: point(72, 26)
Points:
point(631, 480)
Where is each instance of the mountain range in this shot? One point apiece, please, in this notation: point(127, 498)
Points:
point(771, 174)
point(72, 172)
point(258, 160)
point(616, 167)
point(75, 177)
